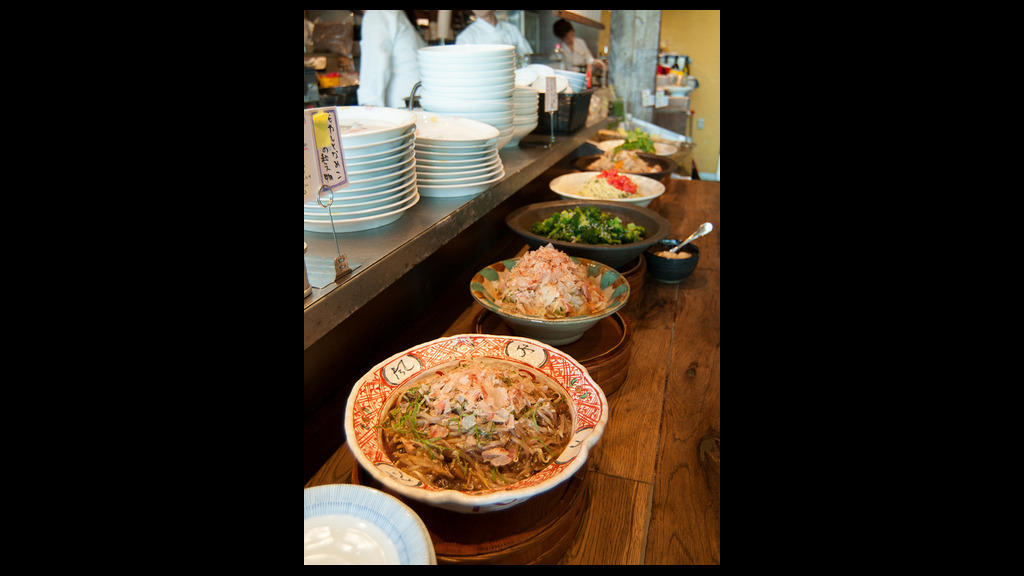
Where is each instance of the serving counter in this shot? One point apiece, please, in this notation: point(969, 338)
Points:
point(650, 490)
point(380, 256)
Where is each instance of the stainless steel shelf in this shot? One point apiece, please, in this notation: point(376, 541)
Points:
point(381, 256)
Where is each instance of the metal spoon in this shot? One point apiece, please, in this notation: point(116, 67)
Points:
point(704, 229)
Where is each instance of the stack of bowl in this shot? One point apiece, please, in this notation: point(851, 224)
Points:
point(378, 147)
point(473, 81)
point(526, 108)
point(455, 156)
point(577, 80)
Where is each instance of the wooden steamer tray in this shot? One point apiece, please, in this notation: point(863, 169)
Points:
point(537, 531)
point(603, 350)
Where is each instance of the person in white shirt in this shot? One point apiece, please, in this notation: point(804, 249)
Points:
point(388, 67)
point(487, 29)
point(574, 50)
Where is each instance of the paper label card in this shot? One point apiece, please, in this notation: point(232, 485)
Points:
point(329, 157)
point(550, 94)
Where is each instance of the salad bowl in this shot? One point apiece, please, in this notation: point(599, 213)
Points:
point(656, 228)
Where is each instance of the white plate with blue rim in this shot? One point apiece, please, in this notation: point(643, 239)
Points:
point(352, 524)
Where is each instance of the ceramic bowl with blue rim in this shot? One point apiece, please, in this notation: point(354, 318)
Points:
point(351, 524)
point(554, 331)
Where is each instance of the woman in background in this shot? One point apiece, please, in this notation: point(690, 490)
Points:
point(574, 49)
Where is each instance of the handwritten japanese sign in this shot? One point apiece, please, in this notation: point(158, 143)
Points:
point(322, 149)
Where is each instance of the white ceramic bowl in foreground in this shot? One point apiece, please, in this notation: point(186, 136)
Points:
point(375, 392)
point(352, 524)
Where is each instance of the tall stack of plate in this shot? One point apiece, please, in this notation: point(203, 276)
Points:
point(473, 81)
point(455, 156)
point(380, 159)
point(526, 105)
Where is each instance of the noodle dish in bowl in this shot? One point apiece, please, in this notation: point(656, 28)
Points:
point(475, 422)
point(608, 185)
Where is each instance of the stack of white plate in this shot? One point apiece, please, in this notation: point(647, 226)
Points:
point(577, 80)
point(526, 105)
point(455, 156)
point(472, 81)
point(380, 159)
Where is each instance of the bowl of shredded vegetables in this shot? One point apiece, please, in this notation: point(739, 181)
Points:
point(548, 295)
point(613, 234)
point(474, 422)
point(611, 185)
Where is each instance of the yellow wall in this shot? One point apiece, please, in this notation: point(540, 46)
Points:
point(697, 33)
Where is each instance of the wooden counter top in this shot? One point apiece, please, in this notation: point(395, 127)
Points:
point(654, 478)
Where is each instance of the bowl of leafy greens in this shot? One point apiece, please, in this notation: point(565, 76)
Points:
point(611, 233)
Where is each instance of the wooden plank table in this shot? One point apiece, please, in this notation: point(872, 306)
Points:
point(654, 478)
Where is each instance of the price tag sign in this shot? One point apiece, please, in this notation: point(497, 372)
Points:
point(550, 94)
point(327, 156)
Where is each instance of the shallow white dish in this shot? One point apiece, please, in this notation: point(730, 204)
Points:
point(452, 88)
point(490, 117)
point(569, 185)
point(364, 125)
point(378, 149)
point(394, 175)
point(463, 106)
point(345, 213)
point(370, 162)
point(457, 147)
point(373, 191)
point(463, 51)
point(479, 153)
point(455, 191)
point(467, 93)
point(423, 165)
point(455, 80)
point(353, 514)
point(427, 168)
point(444, 129)
point(461, 180)
point(342, 200)
point(358, 224)
point(466, 68)
point(463, 78)
point(377, 168)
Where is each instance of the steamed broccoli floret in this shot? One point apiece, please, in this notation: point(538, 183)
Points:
point(588, 225)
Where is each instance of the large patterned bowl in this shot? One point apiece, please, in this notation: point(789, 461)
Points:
point(374, 393)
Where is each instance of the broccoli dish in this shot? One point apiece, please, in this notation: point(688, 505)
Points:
point(588, 225)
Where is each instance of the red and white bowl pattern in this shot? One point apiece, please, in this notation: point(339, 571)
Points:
point(373, 392)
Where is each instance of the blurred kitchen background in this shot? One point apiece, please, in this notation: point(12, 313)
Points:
point(689, 62)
